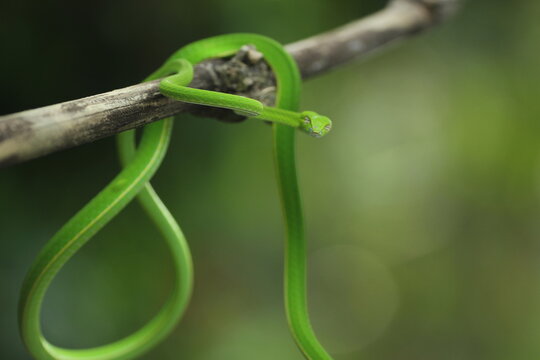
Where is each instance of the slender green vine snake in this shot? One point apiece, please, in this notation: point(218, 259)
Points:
point(140, 162)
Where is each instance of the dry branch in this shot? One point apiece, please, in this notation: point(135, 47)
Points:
point(33, 133)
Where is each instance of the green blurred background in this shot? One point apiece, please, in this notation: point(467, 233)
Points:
point(422, 205)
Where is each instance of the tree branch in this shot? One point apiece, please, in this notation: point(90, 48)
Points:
point(33, 133)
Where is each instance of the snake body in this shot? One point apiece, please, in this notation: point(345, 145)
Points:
point(140, 162)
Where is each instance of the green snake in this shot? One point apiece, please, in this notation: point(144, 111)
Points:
point(140, 162)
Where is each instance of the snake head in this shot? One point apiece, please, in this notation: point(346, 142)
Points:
point(316, 125)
